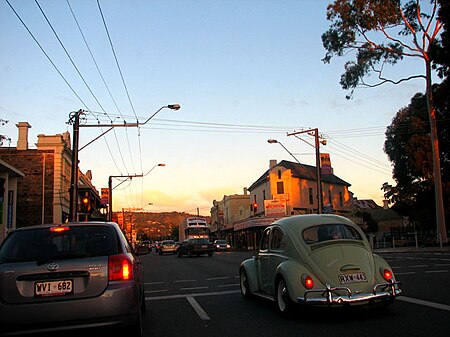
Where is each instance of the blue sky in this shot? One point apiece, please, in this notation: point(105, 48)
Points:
point(243, 72)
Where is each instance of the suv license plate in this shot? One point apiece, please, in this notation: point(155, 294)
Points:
point(352, 278)
point(53, 288)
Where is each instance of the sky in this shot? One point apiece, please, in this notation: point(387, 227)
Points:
point(243, 72)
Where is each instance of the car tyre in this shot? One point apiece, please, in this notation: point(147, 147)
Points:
point(244, 285)
point(283, 301)
point(137, 329)
point(210, 254)
point(179, 254)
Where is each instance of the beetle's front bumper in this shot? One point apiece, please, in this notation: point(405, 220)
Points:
point(333, 295)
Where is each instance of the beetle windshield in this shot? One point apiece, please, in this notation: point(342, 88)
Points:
point(328, 232)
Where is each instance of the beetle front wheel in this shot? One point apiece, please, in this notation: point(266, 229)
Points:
point(283, 301)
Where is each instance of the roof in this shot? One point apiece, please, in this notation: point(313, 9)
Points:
point(301, 171)
point(11, 170)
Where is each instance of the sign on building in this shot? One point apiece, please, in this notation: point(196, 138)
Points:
point(274, 207)
point(104, 196)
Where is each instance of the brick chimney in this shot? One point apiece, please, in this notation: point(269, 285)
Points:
point(22, 141)
point(272, 163)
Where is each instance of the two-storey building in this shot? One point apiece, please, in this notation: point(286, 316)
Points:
point(289, 188)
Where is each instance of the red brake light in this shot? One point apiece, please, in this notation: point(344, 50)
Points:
point(119, 268)
point(308, 281)
point(387, 274)
point(59, 229)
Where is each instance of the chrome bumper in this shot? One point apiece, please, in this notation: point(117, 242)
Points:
point(328, 296)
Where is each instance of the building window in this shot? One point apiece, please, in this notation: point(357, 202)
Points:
point(341, 200)
point(264, 194)
point(311, 201)
point(279, 174)
point(280, 187)
point(329, 197)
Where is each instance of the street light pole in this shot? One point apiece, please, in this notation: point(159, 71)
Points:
point(75, 120)
point(274, 141)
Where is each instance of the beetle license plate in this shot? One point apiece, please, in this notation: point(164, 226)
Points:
point(53, 288)
point(352, 278)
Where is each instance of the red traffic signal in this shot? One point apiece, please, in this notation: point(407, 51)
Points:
point(255, 207)
point(85, 206)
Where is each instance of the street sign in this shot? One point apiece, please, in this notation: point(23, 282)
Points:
point(104, 196)
point(274, 208)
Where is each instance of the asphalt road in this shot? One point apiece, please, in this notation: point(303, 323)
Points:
point(200, 297)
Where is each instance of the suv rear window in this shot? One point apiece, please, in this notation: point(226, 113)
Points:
point(42, 244)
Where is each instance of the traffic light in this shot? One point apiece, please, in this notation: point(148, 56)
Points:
point(85, 203)
point(255, 207)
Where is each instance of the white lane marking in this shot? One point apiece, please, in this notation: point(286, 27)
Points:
point(198, 309)
point(169, 297)
point(217, 278)
point(229, 285)
point(436, 271)
point(425, 303)
point(156, 291)
point(181, 281)
point(406, 273)
point(153, 283)
point(194, 288)
point(418, 266)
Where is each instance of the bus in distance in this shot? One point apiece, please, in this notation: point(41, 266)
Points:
point(194, 227)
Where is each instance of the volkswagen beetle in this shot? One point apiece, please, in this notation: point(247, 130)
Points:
point(317, 259)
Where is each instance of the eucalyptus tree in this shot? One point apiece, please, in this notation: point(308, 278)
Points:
point(383, 33)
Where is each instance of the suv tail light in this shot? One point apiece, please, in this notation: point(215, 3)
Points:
point(119, 268)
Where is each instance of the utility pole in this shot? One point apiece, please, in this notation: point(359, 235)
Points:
point(110, 188)
point(315, 132)
point(73, 210)
point(75, 121)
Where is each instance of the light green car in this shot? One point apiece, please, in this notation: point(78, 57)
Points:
point(317, 259)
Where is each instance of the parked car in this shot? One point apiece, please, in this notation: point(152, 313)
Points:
point(167, 246)
point(71, 275)
point(222, 245)
point(196, 247)
point(316, 259)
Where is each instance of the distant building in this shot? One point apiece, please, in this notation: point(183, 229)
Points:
point(385, 217)
point(295, 186)
point(226, 212)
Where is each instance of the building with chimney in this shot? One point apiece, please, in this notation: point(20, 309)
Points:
point(43, 189)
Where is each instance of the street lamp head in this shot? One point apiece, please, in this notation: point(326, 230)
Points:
point(161, 164)
point(174, 106)
point(272, 141)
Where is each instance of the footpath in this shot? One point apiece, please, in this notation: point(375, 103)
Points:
point(411, 249)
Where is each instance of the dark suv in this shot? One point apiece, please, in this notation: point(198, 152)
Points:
point(191, 247)
point(65, 276)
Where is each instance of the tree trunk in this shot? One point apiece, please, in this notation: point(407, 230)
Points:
point(440, 216)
